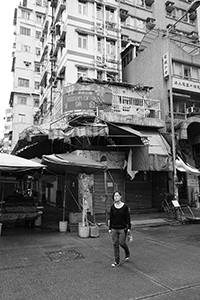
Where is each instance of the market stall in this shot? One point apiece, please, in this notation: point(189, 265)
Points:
point(70, 163)
point(18, 198)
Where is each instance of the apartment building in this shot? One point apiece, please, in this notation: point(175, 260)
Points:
point(7, 131)
point(25, 96)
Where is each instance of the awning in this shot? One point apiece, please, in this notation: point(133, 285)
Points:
point(71, 163)
point(155, 156)
point(185, 167)
point(92, 130)
point(125, 136)
point(29, 132)
point(157, 143)
point(12, 163)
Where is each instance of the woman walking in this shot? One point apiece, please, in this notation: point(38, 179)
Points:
point(119, 226)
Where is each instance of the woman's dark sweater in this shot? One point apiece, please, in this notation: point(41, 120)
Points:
point(119, 217)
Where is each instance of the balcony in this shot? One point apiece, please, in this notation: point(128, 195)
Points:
point(150, 23)
point(59, 10)
point(123, 14)
point(149, 2)
point(194, 35)
point(193, 16)
point(169, 6)
point(124, 40)
point(110, 25)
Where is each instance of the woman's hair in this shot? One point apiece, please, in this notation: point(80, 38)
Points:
point(116, 192)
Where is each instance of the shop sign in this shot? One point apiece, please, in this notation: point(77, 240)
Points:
point(166, 65)
point(86, 97)
point(186, 85)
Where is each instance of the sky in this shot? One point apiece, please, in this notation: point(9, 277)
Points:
point(7, 40)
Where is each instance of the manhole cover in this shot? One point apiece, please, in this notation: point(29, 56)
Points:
point(64, 254)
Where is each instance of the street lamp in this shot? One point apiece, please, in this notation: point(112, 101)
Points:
point(191, 8)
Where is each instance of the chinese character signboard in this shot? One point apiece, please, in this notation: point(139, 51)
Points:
point(166, 65)
point(86, 97)
point(186, 85)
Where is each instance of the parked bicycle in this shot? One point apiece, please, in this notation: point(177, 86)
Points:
point(168, 206)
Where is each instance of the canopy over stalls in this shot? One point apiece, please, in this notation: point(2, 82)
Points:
point(12, 163)
point(71, 163)
point(185, 167)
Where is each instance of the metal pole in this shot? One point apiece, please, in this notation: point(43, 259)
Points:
point(175, 189)
point(65, 196)
point(106, 196)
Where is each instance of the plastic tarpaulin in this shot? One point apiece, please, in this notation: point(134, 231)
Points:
point(154, 156)
point(12, 163)
point(71, 163)
point(91, 130)
point(185, 167)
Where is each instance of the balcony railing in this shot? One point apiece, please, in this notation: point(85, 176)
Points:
point(136, 106)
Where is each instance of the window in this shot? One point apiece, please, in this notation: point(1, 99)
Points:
point(37, 85)
point(45, 3)
point(23, 82)
point(8, 119)
point(126, 60)
point(99, 45)
point(99, 12)
point(37, 35)
point(36, 102)
point(82, 41)
point(100, 75)
point(39, 19)
point(186, 72)
point(110, 48)
point(82, 8)
point(22, 100)
point(25, 48)
point(22, 118)
point(140, 2)
point(37, 51)
point(195, 73)
point(110, 17)
point(179, 106)
point(25, 31)
point(82, 72)
point(37, 67)
point(39, 2)
point(26, 14)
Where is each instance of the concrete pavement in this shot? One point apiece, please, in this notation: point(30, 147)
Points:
point(48, 265)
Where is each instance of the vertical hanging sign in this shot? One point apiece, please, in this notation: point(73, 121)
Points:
point(166, 65)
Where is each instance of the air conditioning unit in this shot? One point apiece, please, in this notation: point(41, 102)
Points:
point(193, 110)
point(197, 110)
point(190, 110)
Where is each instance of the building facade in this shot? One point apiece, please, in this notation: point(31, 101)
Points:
point(24, 98)
point(184, 83)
